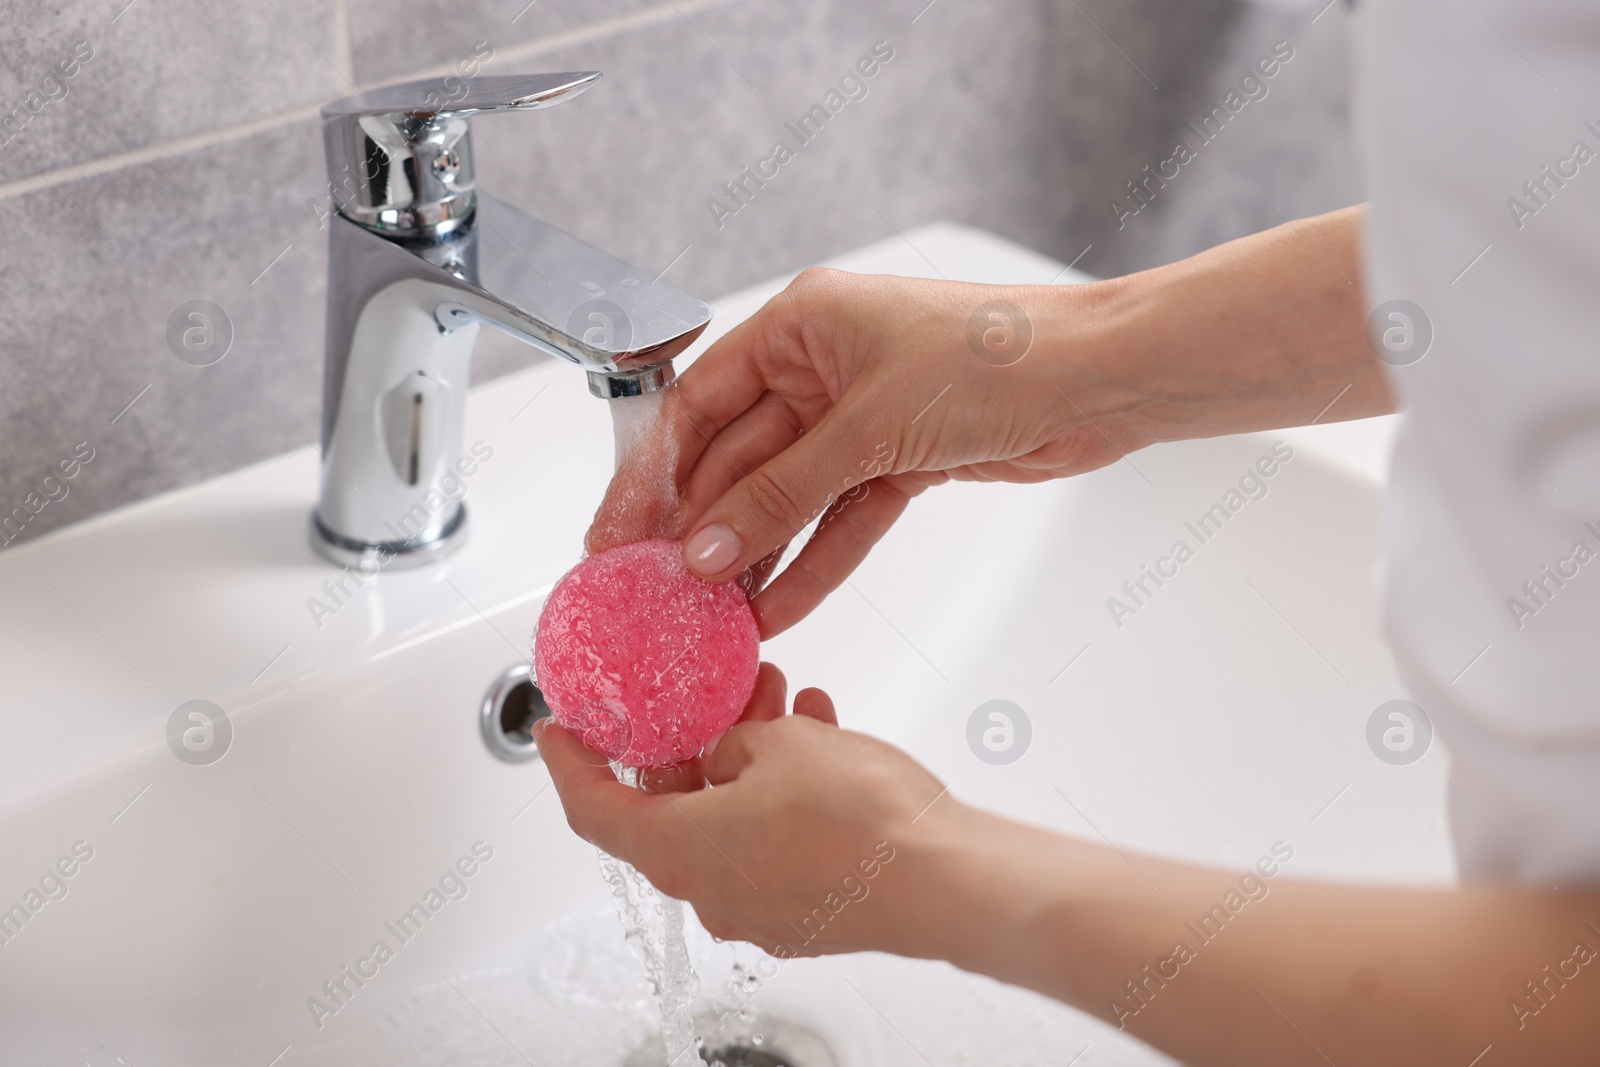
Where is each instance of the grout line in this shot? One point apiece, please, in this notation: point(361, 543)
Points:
point(152, 153)
point(178, 146)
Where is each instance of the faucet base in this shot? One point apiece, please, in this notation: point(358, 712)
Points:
point(372, 556)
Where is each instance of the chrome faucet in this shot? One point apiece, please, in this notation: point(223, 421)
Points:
point(417, 260)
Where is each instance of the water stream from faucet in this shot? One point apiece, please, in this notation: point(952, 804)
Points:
point(652, 922)
point(643, 501)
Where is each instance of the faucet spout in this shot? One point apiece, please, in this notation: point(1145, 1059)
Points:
point(551, 290)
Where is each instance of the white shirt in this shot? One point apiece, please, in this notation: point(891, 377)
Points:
point(1496, 471)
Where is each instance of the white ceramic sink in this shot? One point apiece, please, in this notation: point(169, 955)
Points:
point(1227, 714)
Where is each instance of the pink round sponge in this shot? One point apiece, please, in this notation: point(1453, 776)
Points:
point(642, 658)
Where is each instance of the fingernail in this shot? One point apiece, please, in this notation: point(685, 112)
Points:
point(713, 549)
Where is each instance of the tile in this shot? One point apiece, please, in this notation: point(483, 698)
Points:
point(83, 322)
point(160, 70)
point(1135, 72)
point(1298, 149)
point(1020, 137)
point(391, 38)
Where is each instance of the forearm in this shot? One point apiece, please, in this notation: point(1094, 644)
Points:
point(1259, 333)
point(1289, 972)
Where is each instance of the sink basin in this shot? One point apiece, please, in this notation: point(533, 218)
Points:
point(214, 903)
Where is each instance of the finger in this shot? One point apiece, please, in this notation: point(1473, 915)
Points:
point(844, 535)
point(752, 437)
point(768, 427)
point(733, 753)
point(774, 502)
point(754, 580)
point(727, 380)
point(600, 809)
point(767, 700)
point(815, 704)
point(685, 777)
point(766, 703)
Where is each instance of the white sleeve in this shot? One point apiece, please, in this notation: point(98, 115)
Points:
point(1482, 131)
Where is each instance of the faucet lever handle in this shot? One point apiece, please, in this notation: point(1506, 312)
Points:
point(400, 158)
point(433, 99)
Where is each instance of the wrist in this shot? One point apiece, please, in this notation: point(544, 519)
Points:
point(1092, 361)
point(1024, 905)
point(1255, 334)
point(978, 891)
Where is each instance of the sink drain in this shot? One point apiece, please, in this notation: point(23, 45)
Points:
point(757, 1041)
point(510, 708)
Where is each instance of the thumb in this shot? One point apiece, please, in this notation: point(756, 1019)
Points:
point(769, 506)
point(734, 752)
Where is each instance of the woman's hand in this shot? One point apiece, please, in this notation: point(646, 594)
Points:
point(814, 840)
point(804, 842)
point(842, 398)
point(847, 395)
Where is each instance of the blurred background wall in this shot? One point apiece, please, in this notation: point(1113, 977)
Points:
point(182, 160)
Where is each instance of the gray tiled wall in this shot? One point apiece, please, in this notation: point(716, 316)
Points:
point(184, 162)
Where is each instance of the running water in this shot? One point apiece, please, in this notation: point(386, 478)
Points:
point(633, 418)
point(652, 922)
point(643, 501)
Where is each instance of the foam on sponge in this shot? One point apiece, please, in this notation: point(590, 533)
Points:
point(642, 658)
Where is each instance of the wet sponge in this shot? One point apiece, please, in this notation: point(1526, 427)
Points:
point(642, 658)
